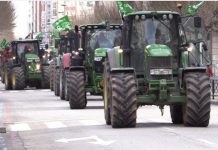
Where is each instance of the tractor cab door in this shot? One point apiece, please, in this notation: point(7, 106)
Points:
point(196, 33)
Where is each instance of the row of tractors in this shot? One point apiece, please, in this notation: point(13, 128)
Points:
point(153, 58)
point(78, 68)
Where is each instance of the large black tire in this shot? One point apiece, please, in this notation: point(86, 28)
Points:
point(76, 90)
point(66, 85)
point(45, 77)
point(57, 82)
point(124, 100)
point(62, 84)
point(2, 74)
point(52, 75)
point(197, 107)
point(107, 93)
point(7, 78)
point(176, 112)
point(18, 78)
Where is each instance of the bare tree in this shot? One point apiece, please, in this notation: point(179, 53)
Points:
point(7, 17)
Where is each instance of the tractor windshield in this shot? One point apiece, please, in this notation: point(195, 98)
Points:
point(101, 38)
point(153, 31)
point(23, 48)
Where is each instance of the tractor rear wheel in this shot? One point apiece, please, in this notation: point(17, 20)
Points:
point(18, 78)
point(57, 82)
point(197, 107)
point(107, 93)
point(176, 113)
point(52, 74)
point(7, 78)
point(45, 77)
point(76, 90)
point(62, 84)
point(124, 104)
point(66, 85)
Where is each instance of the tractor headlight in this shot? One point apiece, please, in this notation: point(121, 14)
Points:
point(98, 58)
point(161, 71)
point(37, 66)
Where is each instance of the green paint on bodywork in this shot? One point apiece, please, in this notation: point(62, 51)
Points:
point(185, 60)
point(158, 50)
point(32, 57)
point(101, 52)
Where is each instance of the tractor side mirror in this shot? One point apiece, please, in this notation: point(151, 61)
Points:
point(197, 22)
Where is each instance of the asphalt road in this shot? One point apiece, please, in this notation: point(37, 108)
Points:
point(37, 120)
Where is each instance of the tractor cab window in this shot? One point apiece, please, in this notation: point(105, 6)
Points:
point(154, 31)
point(193, 34)
point(24, 48)
point(101, 38)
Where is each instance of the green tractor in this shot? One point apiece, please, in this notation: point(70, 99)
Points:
point(97, 39)
point(156, 65)
point(26, 67)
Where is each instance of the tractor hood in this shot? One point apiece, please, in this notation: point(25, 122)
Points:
point(101, 52)
point(32, 57)
point(158, 50)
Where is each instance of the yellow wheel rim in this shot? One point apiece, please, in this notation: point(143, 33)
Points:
point(105, 93)
point(13, 79)
point(6, 78)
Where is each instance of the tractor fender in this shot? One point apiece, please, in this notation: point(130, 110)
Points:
point(111, 58)
point(183, 71)
point(66, 60)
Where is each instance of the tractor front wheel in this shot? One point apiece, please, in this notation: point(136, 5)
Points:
point(176, 113)
point(18, 78)
point(62, 84)
point(66, 85)
point(51, 75)
point(45, 77)
point(76, 90)
point(107, 93)
point(197, 107)
point(124, 104)
point(57, 82)
point(7, 78)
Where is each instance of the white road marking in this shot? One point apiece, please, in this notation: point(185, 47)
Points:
point(30, 90)
point(90, 122)
point(97, 141)
point(13, 91)
point(53, 125)
point(46, 90)
point(206, 141)
point(19, 127)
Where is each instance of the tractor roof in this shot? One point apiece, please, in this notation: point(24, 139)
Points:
point(99, 26)
point(152, 12)
point(25, 41)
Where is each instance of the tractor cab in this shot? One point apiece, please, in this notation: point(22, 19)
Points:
point(26, 52)
point(97, 40)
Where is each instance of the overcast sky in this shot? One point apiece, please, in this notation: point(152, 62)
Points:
point(21, 8)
